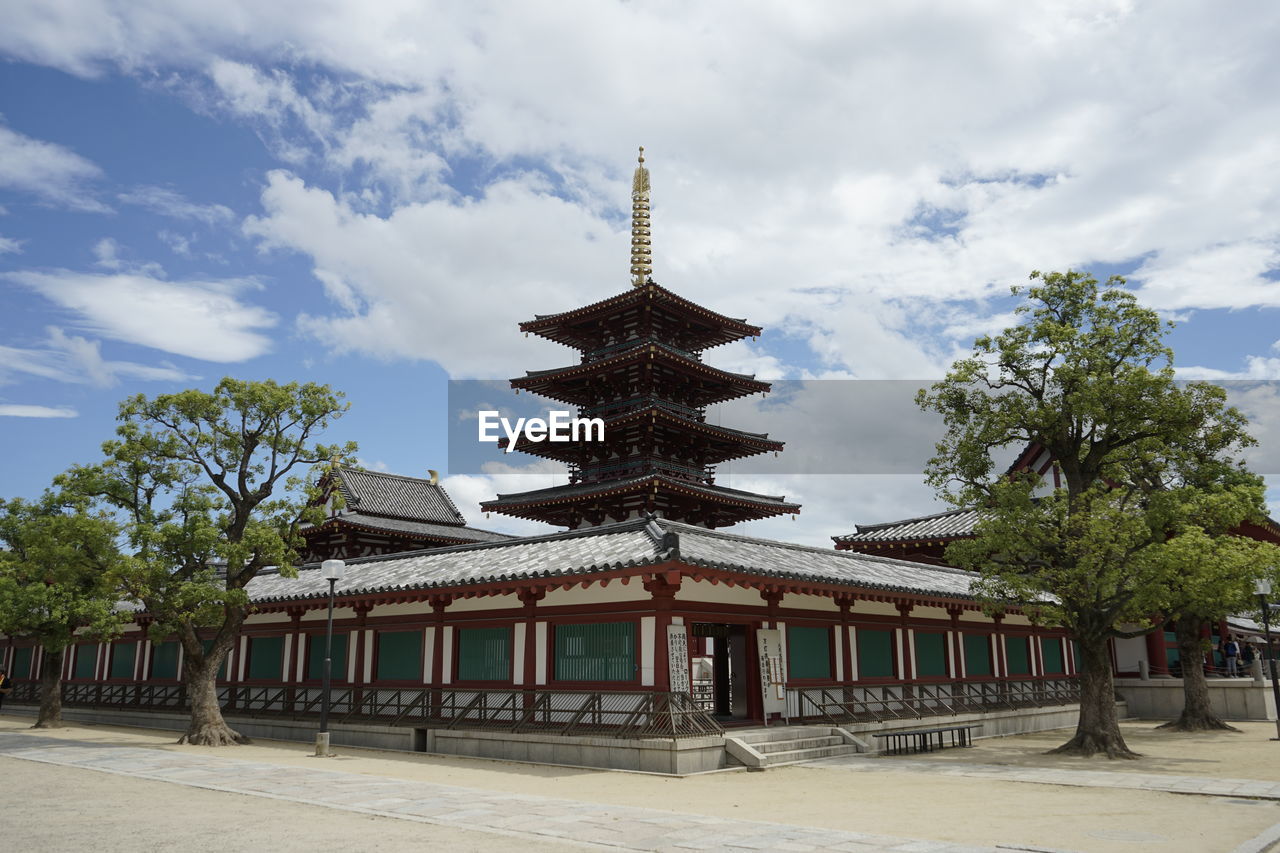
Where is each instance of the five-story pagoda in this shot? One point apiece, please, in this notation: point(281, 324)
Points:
point(642, 372)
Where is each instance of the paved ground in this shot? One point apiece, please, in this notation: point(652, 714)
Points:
point(544, 818)
point(975, 799)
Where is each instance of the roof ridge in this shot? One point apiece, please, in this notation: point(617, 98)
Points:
point(880, 525)
point(826, 552)
point(617, 527)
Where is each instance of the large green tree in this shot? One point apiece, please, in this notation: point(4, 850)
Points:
point(211, 490)
point(1086, 375)
point(56, 568)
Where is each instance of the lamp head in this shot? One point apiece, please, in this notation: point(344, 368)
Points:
point(332, 570)
point(1262, 586)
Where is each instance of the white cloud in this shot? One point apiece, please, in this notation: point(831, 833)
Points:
point(168, 202)
point(9, 245)
point(199, 319)
point(54, 173)
point(70, 358)
point(17, 410)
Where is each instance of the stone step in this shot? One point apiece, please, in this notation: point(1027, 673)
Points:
point(772, 746)
point(755, 736)
point(813, 754)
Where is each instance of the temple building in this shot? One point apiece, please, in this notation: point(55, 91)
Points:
point(642, 636)
point(369, 513)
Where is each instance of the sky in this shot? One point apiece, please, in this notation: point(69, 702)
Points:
point(374, 194)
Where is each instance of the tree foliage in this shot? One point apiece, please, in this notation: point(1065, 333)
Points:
point(57, 566)
point(211, 490)
point(1150, 471)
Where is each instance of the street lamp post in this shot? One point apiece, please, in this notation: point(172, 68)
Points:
point(1262, 586)
point(330, 570)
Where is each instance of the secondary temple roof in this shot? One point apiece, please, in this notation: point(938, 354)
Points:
point(637, 543)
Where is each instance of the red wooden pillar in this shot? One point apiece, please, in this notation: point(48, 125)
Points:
point(530, 598)
point(1157, 653)
point(295, 648)
point(438, 605)
point(1000, 659)
point(907, 666)
point(845, 603)
point(959, 666)
point(662, 590)
point(362, 652)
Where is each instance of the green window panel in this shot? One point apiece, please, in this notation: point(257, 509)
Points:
point(399, 656)
point(808, 652)
point(315, 656)
point(1016, 652)
point(123, 656)
point(931, 654)
point(1075, 655)
point(1173, 656)
point(86, 661)
point(601, 651)
point(164, 660)
point(484, 654)
point(977, 654)
point(22, 662)
point(875, 653)
point(1171, 636)
point(222, 670)
point(1051, 653)
point(266, 658)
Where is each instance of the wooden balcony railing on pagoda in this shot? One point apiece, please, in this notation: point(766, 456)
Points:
point(594, 713)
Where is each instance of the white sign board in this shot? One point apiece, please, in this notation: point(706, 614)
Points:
point(678, 658)
point(773, 671)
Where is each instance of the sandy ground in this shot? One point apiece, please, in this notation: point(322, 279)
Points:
point(904, 804)
point(1247, 754)
point(50, 808)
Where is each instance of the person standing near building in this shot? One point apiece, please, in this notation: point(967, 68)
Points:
point(6, 684)
point(1231, 651)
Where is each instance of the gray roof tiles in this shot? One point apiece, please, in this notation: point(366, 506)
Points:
point(629, 544)
point(956, 522)
point(376, 493)
point(423, 528)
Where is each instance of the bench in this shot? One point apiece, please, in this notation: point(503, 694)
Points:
point(927, 740)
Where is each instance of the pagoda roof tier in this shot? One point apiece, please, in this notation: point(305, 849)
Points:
point(717, 443)
point(580, 385)
point(584, 328)
point(678, 499)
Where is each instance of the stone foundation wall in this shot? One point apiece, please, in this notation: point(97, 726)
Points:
point(1230, 698)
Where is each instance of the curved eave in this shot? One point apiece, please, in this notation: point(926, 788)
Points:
point(751, 444)
point(546, 382)
point(545, 325)
point(777, 505)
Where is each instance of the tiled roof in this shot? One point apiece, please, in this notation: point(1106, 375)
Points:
point(410, 498)
point(633, 543)
point(420, 528)
point(944, 525)
point(582, 489)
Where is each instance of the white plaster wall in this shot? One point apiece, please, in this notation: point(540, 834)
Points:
point(596, 594)
point(413, 608)
point(484, 602)
point(930, 613)
point(1129, 652)
point(878, 608)
point(320, 614)
point(810, 602)
point(266, 618)
point(718, 594)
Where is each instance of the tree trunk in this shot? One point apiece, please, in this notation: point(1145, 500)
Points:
point(199, 674)
point(50, 716)
point(1196, 715)
point(1098, 730)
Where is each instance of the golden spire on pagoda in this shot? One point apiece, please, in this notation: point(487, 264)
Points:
point(641, 253)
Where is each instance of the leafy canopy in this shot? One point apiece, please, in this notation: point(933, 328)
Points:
point(1150, 466)
point(211, 490)
point(56, 568)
